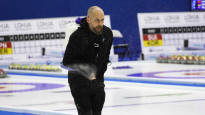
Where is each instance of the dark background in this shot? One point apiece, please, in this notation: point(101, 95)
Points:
point(123, 13)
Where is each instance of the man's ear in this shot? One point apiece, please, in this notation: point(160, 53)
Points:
point(88, 19)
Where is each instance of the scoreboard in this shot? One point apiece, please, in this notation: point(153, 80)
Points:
point(166, 32)
point(198, 5)
point(28, 38)
point(30, 43)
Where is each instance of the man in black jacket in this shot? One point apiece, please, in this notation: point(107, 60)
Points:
point(87, 54)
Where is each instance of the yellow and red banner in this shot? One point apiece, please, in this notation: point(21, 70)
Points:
point(152, 40)
point(5, 48)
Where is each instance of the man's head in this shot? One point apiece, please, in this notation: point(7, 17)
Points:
point(95, 19)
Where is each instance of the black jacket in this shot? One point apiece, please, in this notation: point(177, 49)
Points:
point(82, 48)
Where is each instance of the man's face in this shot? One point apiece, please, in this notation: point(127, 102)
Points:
point(96, 22)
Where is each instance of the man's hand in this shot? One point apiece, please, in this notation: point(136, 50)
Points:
point(92, 76)
point(86, 70)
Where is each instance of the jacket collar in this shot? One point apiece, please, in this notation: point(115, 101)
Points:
point(84, 25)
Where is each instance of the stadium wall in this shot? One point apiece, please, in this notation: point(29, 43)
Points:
point(123, 13)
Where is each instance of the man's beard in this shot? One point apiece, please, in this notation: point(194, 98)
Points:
point(98, 30)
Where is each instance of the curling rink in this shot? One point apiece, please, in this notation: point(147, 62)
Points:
point(132, 88)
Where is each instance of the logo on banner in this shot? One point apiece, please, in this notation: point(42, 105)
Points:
point(152, 40)
point(5, 48)
point(44, 25)
point(172, 19)
point(63, 23)
point(192, 18)
point(4, 27)
point(152, 19)
point(23, 26)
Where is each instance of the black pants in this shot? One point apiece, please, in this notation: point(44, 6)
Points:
point(89, 96)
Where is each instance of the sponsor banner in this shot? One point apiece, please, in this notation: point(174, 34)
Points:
point(170, 18)
point(40, 25)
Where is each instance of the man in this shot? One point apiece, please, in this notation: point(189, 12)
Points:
point(87, 54)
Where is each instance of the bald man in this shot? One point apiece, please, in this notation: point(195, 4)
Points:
point(87, 54)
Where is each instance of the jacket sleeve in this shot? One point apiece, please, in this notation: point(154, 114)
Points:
point(72, 52)
point(110, 45)
point(104, 67)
